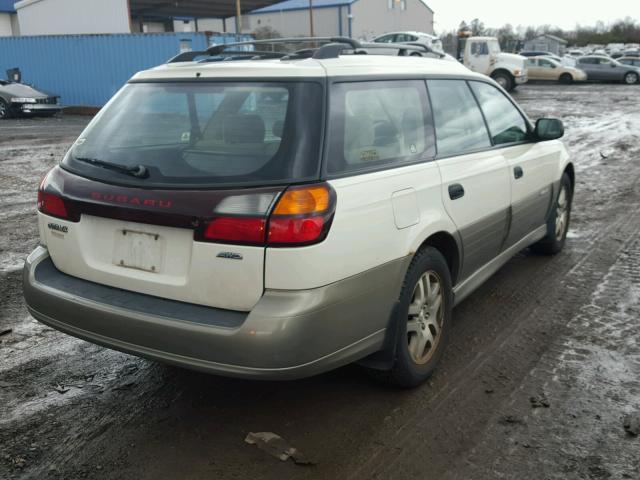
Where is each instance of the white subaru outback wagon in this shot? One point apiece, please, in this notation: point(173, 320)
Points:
point(275, 215)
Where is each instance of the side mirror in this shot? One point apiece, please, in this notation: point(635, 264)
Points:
point(549, 129)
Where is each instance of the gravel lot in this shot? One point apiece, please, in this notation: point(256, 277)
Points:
point(543, 366)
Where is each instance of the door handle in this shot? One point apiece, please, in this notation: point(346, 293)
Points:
point(456, 191)
point(518, 172)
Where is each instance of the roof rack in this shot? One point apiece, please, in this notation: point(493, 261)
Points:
point(332, 47)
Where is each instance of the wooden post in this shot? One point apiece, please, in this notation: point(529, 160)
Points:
point(238, 19)
point(129, 14)
point(311, 34)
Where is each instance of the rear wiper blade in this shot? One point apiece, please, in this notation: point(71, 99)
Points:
point(139, 171)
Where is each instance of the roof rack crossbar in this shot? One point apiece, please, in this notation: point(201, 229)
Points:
point(332, 47)
point(216, 49)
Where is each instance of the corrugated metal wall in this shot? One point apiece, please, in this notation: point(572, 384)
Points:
point(87, 70)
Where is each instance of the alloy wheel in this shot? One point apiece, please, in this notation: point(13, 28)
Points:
point(426, 314)
point(562, 213)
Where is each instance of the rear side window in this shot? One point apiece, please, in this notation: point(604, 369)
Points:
point(506, 124)
point(378, 124)
point(460, 127)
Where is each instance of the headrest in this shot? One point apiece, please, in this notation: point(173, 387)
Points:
point(247, 128)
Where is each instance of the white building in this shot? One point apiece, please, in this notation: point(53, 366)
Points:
point(8, 19)
point(62, 17)
point(361, 19)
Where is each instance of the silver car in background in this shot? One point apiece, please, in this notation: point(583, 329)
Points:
point(601, 68)
point(431, 41)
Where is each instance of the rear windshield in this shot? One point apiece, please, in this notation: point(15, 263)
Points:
point(206, 134)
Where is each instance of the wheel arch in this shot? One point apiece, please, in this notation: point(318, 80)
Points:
point(570, 171)
point(502, 70)
point(449, 247)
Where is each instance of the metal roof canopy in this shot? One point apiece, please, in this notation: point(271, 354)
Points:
point(194, 8)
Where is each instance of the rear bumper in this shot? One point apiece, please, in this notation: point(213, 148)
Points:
point(288, 334)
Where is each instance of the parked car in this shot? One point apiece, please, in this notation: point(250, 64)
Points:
point(431, 41)
point(20, 99)
point(632, 61)
point(536, 53)
point(268, 219)
point(605, 69)
point(545, 68)
point(575, 53)
point(483, 55)
point(566, 61)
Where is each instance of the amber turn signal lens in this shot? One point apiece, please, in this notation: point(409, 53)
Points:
point(303, 200)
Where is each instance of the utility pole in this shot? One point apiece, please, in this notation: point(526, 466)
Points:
point(311, 18)
point(238, 19)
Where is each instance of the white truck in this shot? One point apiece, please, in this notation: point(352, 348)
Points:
point(483, 55)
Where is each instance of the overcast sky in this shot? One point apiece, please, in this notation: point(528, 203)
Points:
point(563, 13)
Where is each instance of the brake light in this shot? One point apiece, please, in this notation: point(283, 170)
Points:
point(51, 204)
point(236, 230)
point(302, 216)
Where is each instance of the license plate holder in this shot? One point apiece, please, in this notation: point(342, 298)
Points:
point(139, 250)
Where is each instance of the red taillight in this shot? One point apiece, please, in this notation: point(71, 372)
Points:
point(295, 230)
point(51, 204)
point(236, 230)
point(302, 216)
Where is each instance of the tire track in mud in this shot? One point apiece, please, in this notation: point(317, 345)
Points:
point(512, 354)
point(591, 379)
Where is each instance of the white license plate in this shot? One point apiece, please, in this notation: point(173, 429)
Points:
point(139, 250)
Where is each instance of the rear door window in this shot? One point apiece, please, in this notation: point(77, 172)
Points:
point(377, 125)
point(459, 125)
point(506, 123)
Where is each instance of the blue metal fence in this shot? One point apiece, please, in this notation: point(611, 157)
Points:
point(87, 70)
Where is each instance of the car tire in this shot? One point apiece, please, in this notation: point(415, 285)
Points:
point(423, 320)
point(566, 79)
point(4, 110)
point(631, 78)
point(415, 54)
point(504, 80)
point(558, 221)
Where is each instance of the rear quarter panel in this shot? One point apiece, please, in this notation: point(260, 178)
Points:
point(366, 232)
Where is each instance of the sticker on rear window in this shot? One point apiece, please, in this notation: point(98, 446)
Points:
point(369, 155)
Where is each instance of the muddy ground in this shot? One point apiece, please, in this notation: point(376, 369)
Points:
point(543, 366)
